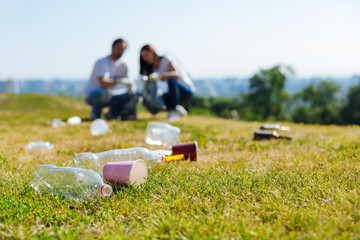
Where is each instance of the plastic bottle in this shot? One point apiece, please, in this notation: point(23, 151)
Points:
point(274, 127)
point(98, 127)
point(74, 120)
point(39, 145)
point(57, 123)
point(72, 183)
point(160, 133)
point(268, 135)
point(96, 161)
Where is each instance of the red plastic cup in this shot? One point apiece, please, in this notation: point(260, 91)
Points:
point(188, 149)
point(133, 172)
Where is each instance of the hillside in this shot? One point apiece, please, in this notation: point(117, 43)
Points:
point(238, 188)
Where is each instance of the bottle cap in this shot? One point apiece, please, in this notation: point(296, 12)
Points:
point(106, 190)
point(133, 172)
point(188, 149)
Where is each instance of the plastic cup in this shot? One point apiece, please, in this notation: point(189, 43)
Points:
point(133, 172)
point(99, 127)
point(188, 149)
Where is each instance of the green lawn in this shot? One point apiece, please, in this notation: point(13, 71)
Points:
point(307, 188)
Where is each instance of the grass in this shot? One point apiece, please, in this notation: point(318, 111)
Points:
point(307, 188)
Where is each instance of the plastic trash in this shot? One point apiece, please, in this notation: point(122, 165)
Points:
point(155, 76)
point(151, 96)
point(274, 127)
point(160, 133)
point(97, 161)
point(99, 127)
point(39, 145)
point(189, 150)
point(125, 172)
point(57, 123)
point(186, 150)
point(268, 135)
point(72, 183)
point(74, 120)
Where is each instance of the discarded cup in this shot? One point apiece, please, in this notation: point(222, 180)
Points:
point(74, 120)
point(57, 123)
point(125, 172)
point(99, 127)
point(160, 133)
point(39, 145)
point(188, 149)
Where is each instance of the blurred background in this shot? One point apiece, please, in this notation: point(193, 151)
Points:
point(50, 47)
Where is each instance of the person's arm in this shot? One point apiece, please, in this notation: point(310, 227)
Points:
point(106, 82)
point(102, 74)
point(172, 73)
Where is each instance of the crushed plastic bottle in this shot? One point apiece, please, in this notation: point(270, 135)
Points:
point(160, 133)
point(274, 127)
point(74, 120)
point(96, 161)
point(99, 127)
point(72, 183)
point(39, 145)
point(57, 123)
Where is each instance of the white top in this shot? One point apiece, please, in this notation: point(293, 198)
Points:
point(184, 76)
point(105, 67)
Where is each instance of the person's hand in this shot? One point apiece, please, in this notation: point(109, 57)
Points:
point(154, 77)
point(126, 82)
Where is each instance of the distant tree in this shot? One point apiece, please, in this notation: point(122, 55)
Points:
point(351, 111)
point(319, 104)
point(223, 107)
point(200, 102)
point(267, 97)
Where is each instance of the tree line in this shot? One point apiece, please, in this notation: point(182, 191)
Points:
point(267, 100)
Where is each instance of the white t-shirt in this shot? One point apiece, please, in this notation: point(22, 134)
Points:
point(184, 76)
point(108, 68)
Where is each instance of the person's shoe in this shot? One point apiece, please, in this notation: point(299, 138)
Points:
point(109, 116)
point(173, 116)
point(181, 110)
point(93, 116)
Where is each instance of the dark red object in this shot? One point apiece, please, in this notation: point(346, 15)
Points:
point(188, 149)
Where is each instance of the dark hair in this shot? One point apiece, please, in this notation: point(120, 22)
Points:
point(145, 68)
point(118, 41)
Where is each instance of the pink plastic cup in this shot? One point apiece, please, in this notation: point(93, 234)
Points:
point(133, 172)
point(188, 149)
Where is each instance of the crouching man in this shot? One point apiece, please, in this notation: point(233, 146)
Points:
point(103, 88)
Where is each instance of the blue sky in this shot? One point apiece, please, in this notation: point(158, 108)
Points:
point(230, 38)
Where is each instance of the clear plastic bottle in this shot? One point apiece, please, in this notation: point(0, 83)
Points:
point(274, 127)
point(160, 133)
point(96, 161)
point(72, 183)
point(57, 123)
point(39, 145)
point(75, 120)
point(99, 127)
